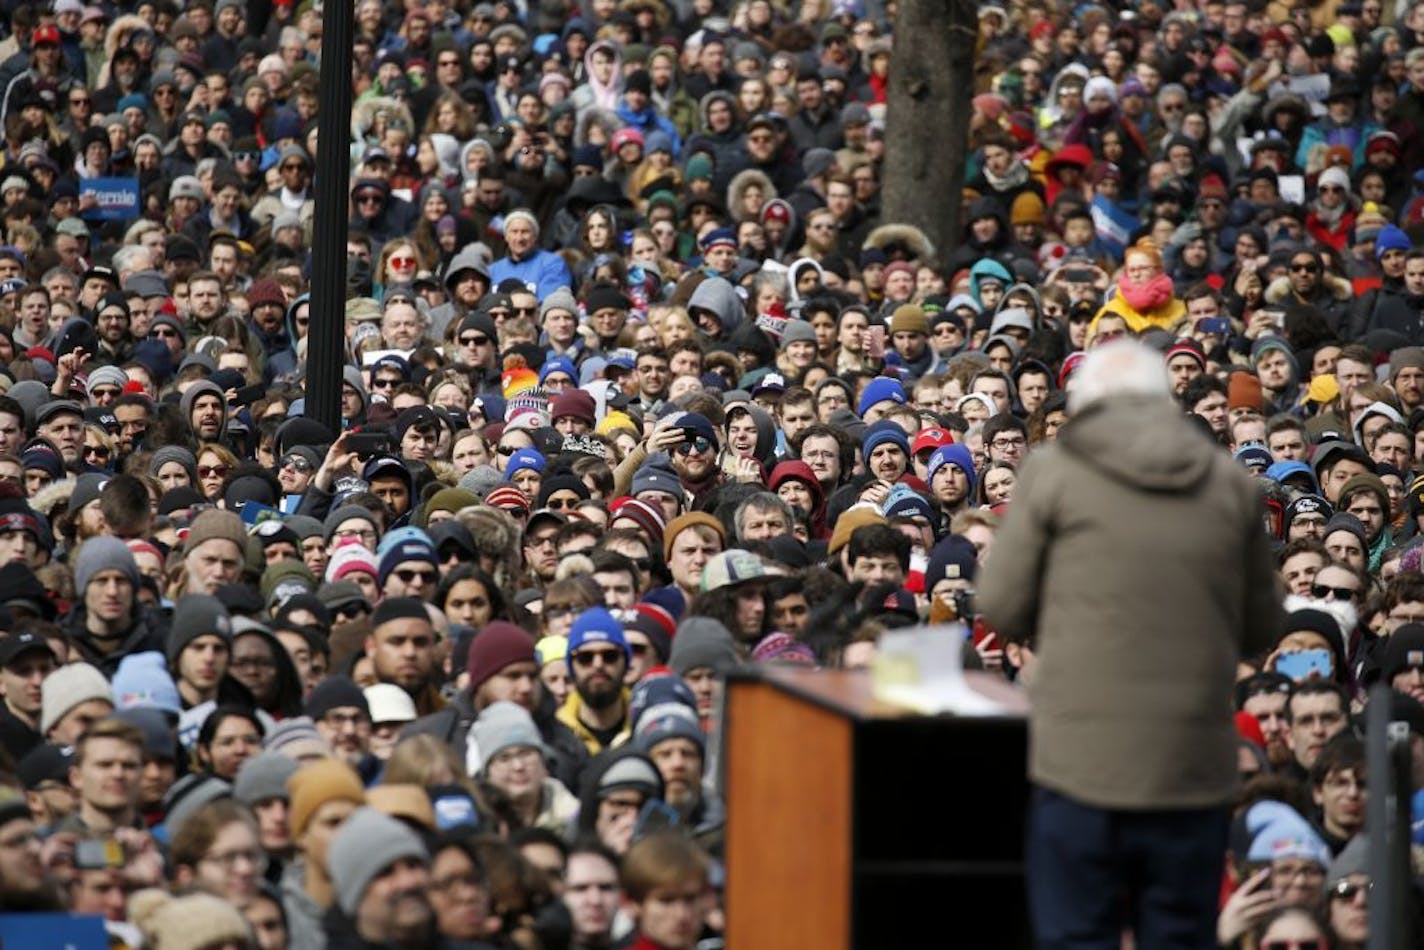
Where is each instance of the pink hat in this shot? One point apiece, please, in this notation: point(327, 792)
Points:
point(349, 557)
point(626, 135)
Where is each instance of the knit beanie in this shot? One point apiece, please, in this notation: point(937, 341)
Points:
point(215, 523)
point(405, 801)
point(192, 922)
point(142, 681)
point(684, 521)
point(854, 517)
point(68, 687)
point(447, 499)
point(343, 514)
point(656, 479)
point(263, 778)
point(703, 642)
point(498, 645)
point(284, 580)
point(504, 725)
point(105, 376)
point(797, 331)
point(313, 785)
point(560, 299)
point(647, 517)
point(1243, 391)
point(187, 795)
point(550, 649)
point(197, 615)
point(575, 403)
point(335, 692)
point(174, 453)
point(367, 844)
point(1027, 208)
point(403, 552)
point(348, 558)
point(669, 721)
point(909, 318)
point(86, 490)
point(103, 553)
point(293, 736)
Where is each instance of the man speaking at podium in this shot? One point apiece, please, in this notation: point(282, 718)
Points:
point(1135, 551)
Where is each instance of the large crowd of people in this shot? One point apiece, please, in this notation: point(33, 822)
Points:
point(642, 386)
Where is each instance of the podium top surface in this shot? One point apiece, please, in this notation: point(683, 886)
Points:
point(850, 692)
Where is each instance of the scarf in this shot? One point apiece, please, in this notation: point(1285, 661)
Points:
point(1146, 297)
point(1016, 177)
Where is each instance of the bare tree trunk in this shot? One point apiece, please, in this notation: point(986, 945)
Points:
point(929, 104)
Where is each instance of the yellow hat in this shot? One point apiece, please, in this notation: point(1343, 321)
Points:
point(550, 649)
point(1323, 388)
point(615, 420)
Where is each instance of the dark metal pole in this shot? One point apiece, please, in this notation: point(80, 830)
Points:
point(326, 346)
point(1387, 821)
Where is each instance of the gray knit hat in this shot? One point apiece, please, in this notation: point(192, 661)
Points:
point(797, 331)
point(1355, 859)
point(197, 615)
point(263, 777)
point(560, 299)
point(345, 512)
point(66, 688)
point(479, 480)
point(174, 453)
point(305, 526)
point(191, 792)
point(290, 732)
point(702, 642)
point(504, 725)
point(86, 490)
point(103, 553)
point(106, 376)
point(367, 844)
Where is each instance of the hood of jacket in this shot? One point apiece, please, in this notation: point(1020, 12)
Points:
point(719, 296)
point(200, 388)
point(1140, 442)
point(988, 267)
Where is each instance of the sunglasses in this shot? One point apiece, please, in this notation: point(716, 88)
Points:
point(98, 451)
point(293, 167)
point(408, 576)
point(587, 658)
point(1326, 592)
point(104, 392)
point(506, 450)
point(350, 611)
point(561, 504)
point(213, 471)
point(382, 383)
point(402, 261)
point(1346, 890)
point(246, 156)
point(697, 446)
point(370, 199)
point(1304, 268)
point(297, 462)
point(474, 339)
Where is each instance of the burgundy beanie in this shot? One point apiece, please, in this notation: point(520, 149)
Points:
point(576, 403)
point(498, 645)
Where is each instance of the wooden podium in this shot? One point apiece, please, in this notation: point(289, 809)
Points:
point(852, 824)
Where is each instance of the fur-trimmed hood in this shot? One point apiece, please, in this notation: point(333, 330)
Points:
point(888, 236)
point(738, 187)
point(50, 497)
point(1280, 288)
point(606, 118)
point(363, 114)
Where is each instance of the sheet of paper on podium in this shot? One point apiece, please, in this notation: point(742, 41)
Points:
point(921, 669)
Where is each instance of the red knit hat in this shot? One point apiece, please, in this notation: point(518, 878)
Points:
point(498, 645)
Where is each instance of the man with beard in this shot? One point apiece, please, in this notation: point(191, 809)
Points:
point(380, 872)
point(1263, 697)
point(598, 656)
point(204, 408)
point(671, 735)
point(342, 716)
point(693, 445)
point(402, 650)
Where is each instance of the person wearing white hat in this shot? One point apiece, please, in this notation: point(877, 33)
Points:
point(391, 709)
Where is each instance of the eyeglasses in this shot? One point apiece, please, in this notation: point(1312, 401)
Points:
point(562, 504)
point(293, 167)
point(351, 611)
point(163, 333)
point(80, 101)
point(1304, 268)
point(346, 534)
point(97, 451)
point(382, 383)
point(213, 471)
point(402, 261)
point(246, 156)
point(298, 462)
point(696, 447)
point(526, 311)
point(759, 139)
point(542, 541)
point(408, 576)
point(104, 392)
point(474, 339)
point(506, 450)
point(1009, 442)
point(1324, 592)
point(368, 199)
point(593, 657)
